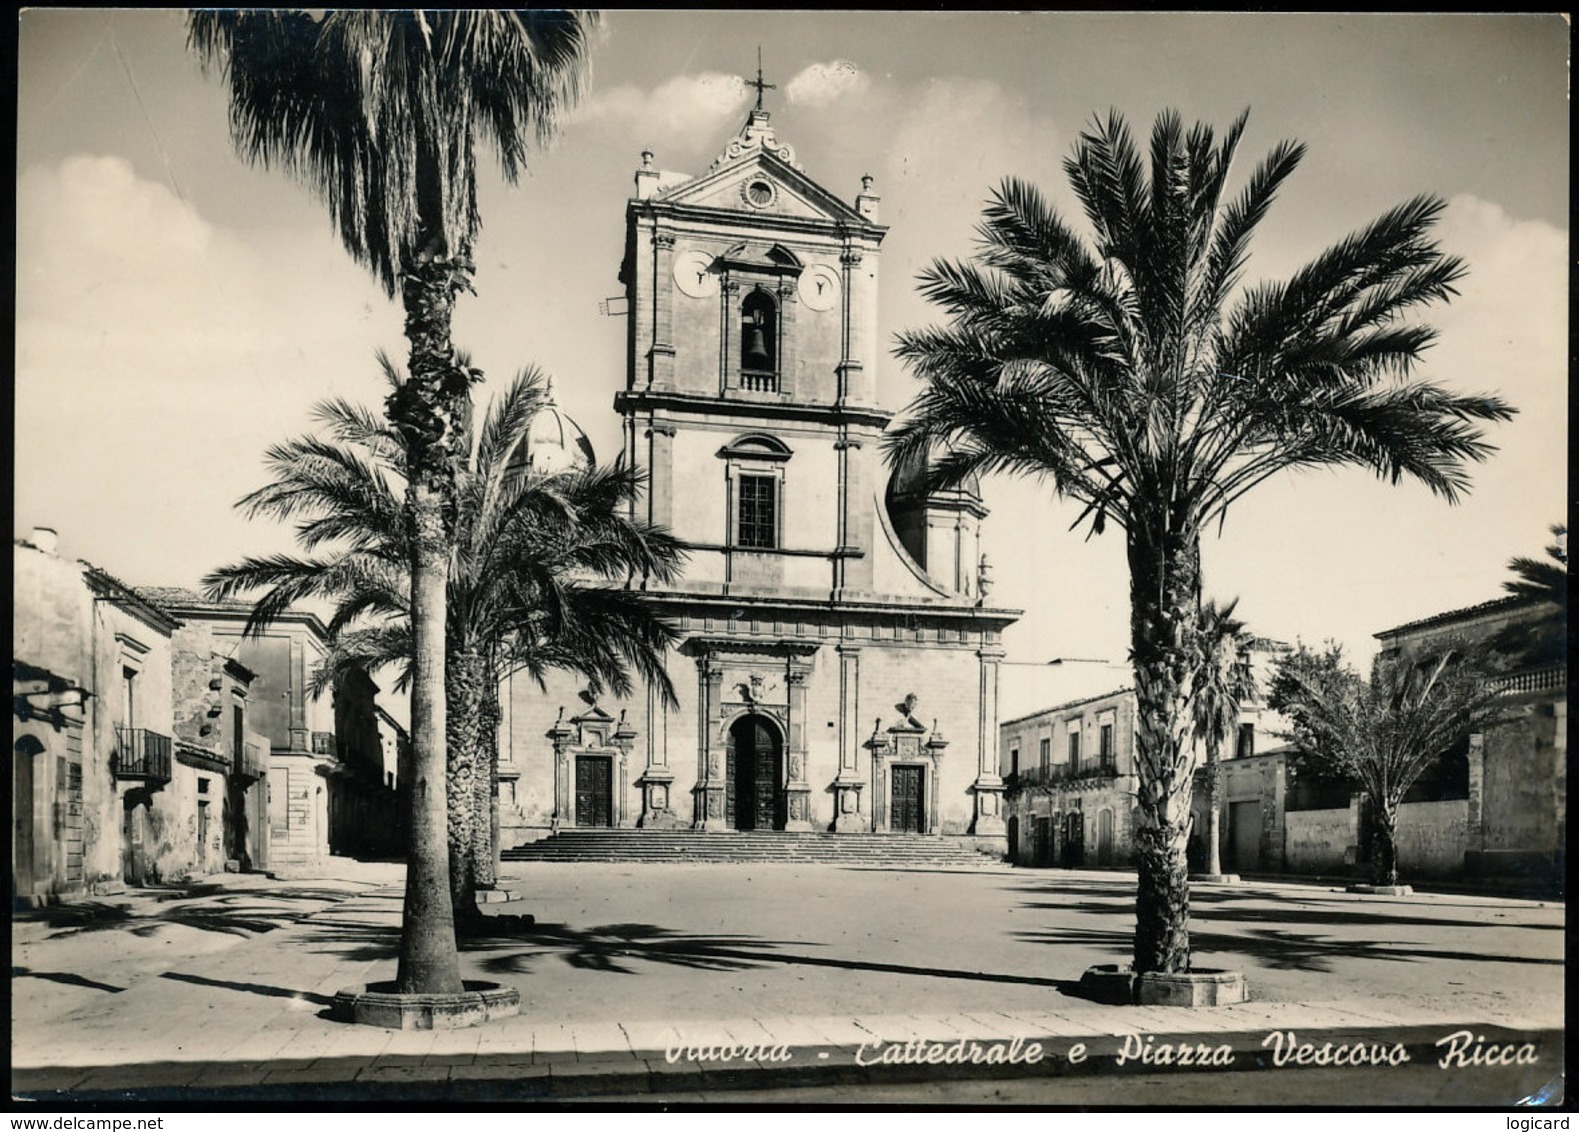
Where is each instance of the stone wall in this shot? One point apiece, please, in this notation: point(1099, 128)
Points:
point(1432, 837)
point(1319, 842)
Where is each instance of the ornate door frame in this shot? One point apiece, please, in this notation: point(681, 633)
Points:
point(593, 732)
point(738, 678)
point(902, 744)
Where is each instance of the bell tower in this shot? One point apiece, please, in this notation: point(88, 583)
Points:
point(750, 388)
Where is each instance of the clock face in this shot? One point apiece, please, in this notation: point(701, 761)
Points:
point(819, 287)
point(693, 274)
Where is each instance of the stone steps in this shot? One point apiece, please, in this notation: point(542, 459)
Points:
point(873, 850)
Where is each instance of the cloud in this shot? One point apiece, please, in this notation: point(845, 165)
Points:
point(822, 84)
point(683, 110)
point(158, 355)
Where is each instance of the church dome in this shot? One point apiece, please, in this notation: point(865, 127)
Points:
point(908, 483)
point(554, 442)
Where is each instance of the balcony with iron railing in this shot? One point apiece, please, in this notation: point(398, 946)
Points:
point(1059, 773)
point(324, 743)
point(142, 755)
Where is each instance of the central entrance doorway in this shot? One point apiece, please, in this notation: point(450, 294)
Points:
point(905, 813)
point(754, 776)
point(594, 791)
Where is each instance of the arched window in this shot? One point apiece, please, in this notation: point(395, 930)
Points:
point(759, 342)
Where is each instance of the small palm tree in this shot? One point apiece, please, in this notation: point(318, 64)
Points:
point(1223, 685)
point(380, 113)
point(1136, 373)
point(1384, 733)
point(534, 583)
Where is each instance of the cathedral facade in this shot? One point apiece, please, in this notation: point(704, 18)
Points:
point(839, 667)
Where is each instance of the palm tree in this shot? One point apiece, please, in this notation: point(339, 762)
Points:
point(1223, 684)
point(534, 582)
point(1154, 390)
point(1543, 581)
point(380, 113)
point(1384, 733)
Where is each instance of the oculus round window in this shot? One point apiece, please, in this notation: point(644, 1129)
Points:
point(758, 193)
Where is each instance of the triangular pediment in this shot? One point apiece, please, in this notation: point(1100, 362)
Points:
point(736, 187)
point(758, 175)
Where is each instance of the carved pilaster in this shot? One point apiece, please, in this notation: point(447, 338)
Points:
point(710, 784)
point(797, 791)
point(660, 357)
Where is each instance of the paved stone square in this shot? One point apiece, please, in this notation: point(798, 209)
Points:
point(229, 988)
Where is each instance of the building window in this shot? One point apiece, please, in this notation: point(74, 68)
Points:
point(757, 518)
point(128, 697)
point(1074, 748)
point(759, 343)
point(1045, 754)
point(1014, 760)
point(1247, 741)
point(1105, 747)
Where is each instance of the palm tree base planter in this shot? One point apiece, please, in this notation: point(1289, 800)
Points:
point(1214, 878)
point(379, 1004)
point(1115, 985)
point(1382, 889)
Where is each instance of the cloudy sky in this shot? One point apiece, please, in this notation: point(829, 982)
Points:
point(179, 310)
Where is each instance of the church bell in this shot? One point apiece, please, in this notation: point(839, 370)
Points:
point(756, 352)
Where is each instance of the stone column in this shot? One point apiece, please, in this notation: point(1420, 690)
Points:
point(1475, 834)
point(657, 780)
point(788, 352)
point(728, 332)
point(847, 815)
point(301, 736)
point(562, 735)
point(796, 789)
point(934, 747)
point(622, 739)
point(988, 787)
point(710, 784)
point(879, 746)
point(849, 369)
point(660, 475)
point(660, 358)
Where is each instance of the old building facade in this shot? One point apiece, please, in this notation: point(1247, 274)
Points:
point(839, 666)
point(1071, 780)
point(151, 742)
point(327, 787)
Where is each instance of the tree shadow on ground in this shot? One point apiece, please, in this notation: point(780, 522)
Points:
point(356, 940)
point(249, 988)
point(246, 914)
point(65, 977)
point(617, 948)
point(1278, 949)
point(1286, 913)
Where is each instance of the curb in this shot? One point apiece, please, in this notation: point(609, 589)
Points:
point(561, 1076)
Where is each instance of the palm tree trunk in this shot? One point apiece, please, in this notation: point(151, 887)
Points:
point(465, 680)
point(1384, 842)
point(1214, 793)
point(429, 963)
point(485, 851)
point(427, 408)
point(1165, 599)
